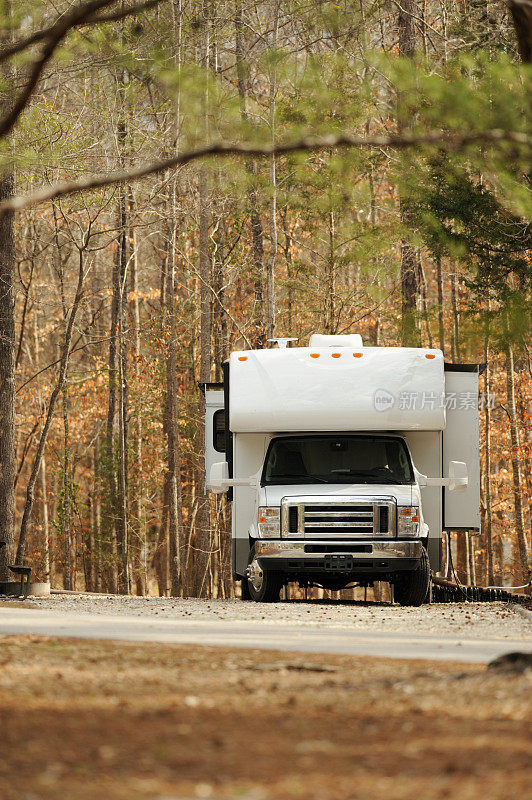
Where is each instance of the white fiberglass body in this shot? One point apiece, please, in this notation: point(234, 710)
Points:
point(340, 388)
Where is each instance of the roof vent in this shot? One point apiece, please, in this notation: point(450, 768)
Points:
point(322, 340)
point(282, 341)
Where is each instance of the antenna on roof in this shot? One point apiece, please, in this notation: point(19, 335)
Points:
point(283, 341)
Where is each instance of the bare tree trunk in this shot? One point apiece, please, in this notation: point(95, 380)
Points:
point(409, 290)
point(467, 539)
point(203, 516)
point(288, 261)
point(270, 273)
point(123, 534)
point(375, 328)
point(523, 413)
point(472, 565)
point(487, 450)
point(455, 336)
point(67, 543)
point(122, 524)
point(522, 19)
point(441, 309)
point(122, 520)
point(330, 308)
point(111, 515)
point(88, 552)
point(255, 219)
point(423, 282)
point(409, 267)
point(46, 522)
point(461, 557)
point(175, 502)
point(97, 517)
point(220, 329)
point(137, 527)
point(202, 540)
point(160, 558)
point(7, 380)
point(270, 276)
point(517, 482)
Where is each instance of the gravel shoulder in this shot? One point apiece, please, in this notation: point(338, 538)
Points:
point(474, 620)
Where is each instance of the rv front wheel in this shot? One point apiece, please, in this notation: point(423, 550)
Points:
point(263, 585)
point(412, 588)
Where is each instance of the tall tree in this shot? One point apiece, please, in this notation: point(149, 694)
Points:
point(7, 379)
point(409, 264)
point(242, 68)
point(7, 345)
point(203, 523)
point(522, 549)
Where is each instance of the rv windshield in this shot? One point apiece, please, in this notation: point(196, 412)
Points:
point(337, 459)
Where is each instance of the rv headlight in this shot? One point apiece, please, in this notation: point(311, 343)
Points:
point(408, 521)
point(269, 522)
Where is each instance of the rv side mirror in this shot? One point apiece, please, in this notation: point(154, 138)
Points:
point(458, 478)
point(220, 480)
point(219, 475)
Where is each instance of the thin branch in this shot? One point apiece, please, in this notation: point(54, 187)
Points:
point(41, 35)
point(224, 309)
point(450, 141)
point(114, 16)
point(417, 18)
point(58, 360)
point(52, 38)
point(25, 449)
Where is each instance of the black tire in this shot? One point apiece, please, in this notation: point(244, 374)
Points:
point(412, 588)
point(244, 590)
point(264, 586)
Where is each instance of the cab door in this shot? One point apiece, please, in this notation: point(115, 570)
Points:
point(214, 430)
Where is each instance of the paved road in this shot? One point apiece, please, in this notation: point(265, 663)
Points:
point(257, 635)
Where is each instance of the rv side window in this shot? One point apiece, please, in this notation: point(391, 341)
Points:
point(218, 435)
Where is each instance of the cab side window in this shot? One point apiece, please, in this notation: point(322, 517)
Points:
point(218, 436)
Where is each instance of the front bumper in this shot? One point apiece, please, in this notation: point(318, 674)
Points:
point(370, 557)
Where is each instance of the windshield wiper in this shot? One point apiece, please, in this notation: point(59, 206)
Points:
point(371, 477)
point(302, 478)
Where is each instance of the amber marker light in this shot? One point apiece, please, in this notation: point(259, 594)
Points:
point(314, 355)
point(430, 355)
point(242, 358)
point(357, 355)
point(336, 355)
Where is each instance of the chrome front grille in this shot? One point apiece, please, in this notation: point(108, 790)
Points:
point(356, 518)
point(347, 517)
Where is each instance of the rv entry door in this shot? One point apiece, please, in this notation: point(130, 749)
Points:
point(461, 510)
point(214, 430)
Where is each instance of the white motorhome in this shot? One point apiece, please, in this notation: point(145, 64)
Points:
point(326, 452)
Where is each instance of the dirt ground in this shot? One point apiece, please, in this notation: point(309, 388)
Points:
point(105, 720)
